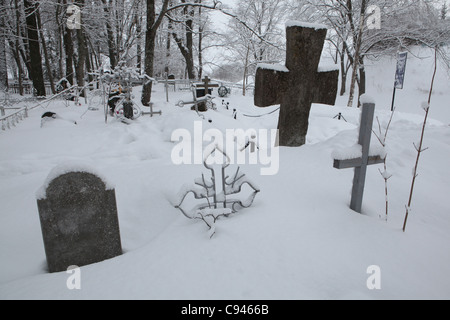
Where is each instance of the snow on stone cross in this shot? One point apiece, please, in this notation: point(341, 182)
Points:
point(364, 156)
point(298, 84)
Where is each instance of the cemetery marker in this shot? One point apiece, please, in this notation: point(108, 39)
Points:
point(207, 85)
point(203, 92)
point(360, 164)
point(298, 84)
point(79, 221)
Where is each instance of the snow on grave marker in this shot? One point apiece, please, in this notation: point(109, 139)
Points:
point(78, 215)
point(199, 93)
point(298, 84)
point(216, 191)
point(360, 156)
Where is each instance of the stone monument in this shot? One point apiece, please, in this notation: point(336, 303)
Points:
point(78, 216)
point(298, 84)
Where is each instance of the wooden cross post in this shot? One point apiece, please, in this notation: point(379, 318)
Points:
point(298, 84)
point(360, 164)
point(207, 85)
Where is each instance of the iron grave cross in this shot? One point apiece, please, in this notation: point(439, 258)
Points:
point(360, 164)
point(299, 84)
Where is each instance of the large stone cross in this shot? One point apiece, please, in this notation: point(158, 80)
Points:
point(298, 84)
point(360, 163)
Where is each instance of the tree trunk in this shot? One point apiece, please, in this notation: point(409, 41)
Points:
point(110, 37)
point(17, 48)
point(200, 40)
point(89, 64)
point(356, 57)
point(149, 51)
point(44, 49)
point(3, 63)
point(68, 47)
point(189, 12)
point(343, 70)
point(138, 45)
point(34, 47)
point(362, 79)
point(166, 67)
point(82, 53)
point(150, 35)
point(25, 50)
point(244, 81)
point(187, 49)
point(60, 32)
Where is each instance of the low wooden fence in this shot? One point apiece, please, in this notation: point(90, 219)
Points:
point(27, 88)
point(10, 120)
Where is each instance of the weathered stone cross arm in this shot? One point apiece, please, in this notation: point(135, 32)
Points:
point(273, 80)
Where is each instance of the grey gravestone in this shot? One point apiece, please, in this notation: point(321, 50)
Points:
point(299, 84)
point(79, 221)
point(360, 164)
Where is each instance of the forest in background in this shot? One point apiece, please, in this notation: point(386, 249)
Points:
point(41, 42)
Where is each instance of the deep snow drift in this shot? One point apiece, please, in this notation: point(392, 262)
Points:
point(299, 240)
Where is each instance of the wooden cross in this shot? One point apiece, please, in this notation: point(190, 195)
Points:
point(360, 164)
point(298, 84)
point(207, 84)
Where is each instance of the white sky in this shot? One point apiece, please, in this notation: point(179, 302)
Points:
point(219, 19)
point(219, 23)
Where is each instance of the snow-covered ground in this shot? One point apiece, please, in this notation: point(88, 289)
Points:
point(299, 240)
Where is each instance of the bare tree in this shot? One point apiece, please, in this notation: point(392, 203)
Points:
point(31, 7)
point(3, 63)
point(256, 34)
point(403, 23)
point(420, 147)
point(153, 23)
point(154, 20)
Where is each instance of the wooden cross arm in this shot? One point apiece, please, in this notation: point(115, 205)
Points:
point(353, 163)
point(210, 85)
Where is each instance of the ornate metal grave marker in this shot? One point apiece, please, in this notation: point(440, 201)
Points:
point(216, 192)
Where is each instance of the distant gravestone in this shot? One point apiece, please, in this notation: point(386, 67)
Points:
point(79, 220)
point(298, 84)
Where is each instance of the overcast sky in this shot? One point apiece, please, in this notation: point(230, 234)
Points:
point(220, 19)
